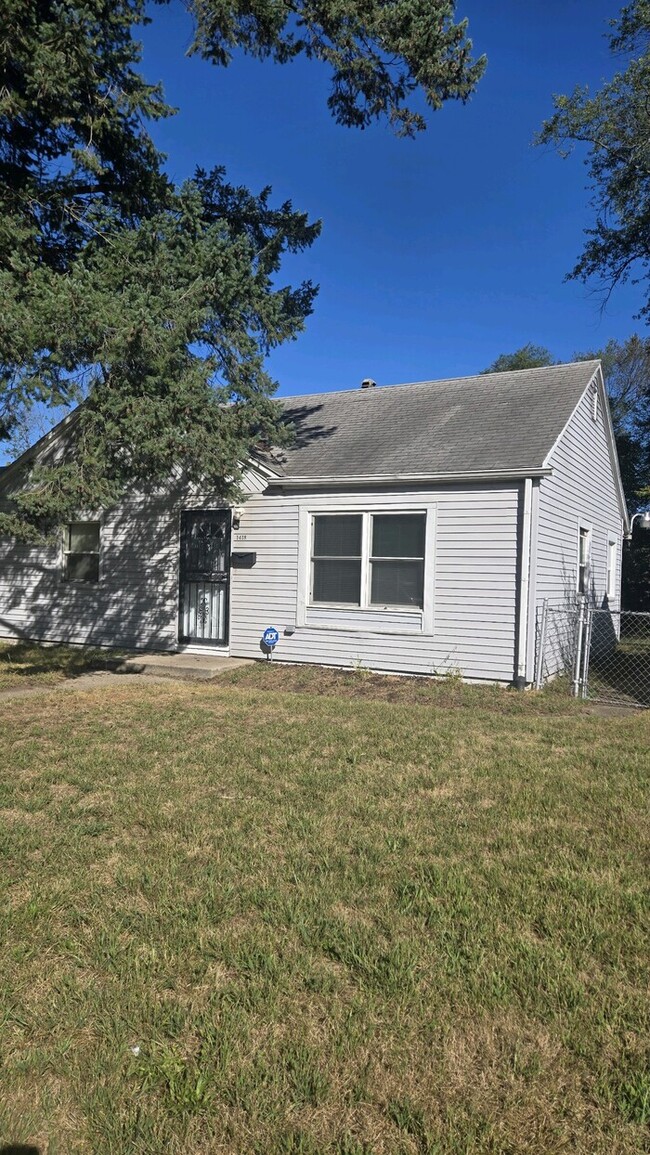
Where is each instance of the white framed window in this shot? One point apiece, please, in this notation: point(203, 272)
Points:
point(369, 559)
point(336, 559)
point(612, 551)
point(594, 404)
point(584, 559)
point(81, 551)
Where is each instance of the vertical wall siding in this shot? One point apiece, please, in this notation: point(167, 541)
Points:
point(474, 586)
point(581, 489)
point(135, 602)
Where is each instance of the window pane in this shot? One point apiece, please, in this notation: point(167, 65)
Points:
point(398, 536)
point(337, 581)
point(584, 546)
point(83, 537)
point(337, 536)
point(397, 583)
point(82, 567)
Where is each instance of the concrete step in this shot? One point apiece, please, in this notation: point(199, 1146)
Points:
point(200, 667)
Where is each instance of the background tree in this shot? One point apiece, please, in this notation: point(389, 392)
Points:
point(528, 357)
point(158, 304)
point(614, 126)
point(626, 369)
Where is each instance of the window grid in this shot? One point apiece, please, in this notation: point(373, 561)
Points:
point(81, 542)
point(367, 559)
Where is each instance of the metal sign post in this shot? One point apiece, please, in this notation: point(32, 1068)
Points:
point(270, 639)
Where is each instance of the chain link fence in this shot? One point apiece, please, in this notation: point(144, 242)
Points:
point(600, 654)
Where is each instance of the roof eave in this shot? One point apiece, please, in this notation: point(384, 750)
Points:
point(325, 482)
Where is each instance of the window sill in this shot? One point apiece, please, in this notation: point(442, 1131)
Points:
point(355, 619)
point(349, 608)
point(64, 581)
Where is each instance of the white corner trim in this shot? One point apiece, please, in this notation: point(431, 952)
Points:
point(304, 527)
point(524, 578)
point(532, 590)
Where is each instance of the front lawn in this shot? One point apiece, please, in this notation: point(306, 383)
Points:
point(259, 920)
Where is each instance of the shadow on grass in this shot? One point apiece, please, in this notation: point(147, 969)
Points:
point(621, 676)
point(619, 669)
point(19, 1149)
point(26, 660)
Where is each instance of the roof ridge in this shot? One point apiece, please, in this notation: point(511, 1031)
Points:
point(438, 380)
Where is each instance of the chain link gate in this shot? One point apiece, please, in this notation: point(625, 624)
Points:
point(603, 654)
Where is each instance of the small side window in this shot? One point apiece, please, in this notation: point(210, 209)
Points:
point(584, 551)
point(611, 570)
point(81, 551)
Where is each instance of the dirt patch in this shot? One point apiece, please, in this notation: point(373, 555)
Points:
point(603, 710)
point(439, 693)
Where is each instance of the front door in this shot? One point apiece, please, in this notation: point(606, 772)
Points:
point(204, 574)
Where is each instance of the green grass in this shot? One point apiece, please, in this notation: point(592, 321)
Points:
point(28, 664)
point(355, 916)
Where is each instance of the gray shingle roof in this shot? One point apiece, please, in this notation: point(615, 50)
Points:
point(497, 421)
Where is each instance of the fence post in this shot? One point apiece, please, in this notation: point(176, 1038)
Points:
point(577, 666)
point(539, 673)
point(589, 624)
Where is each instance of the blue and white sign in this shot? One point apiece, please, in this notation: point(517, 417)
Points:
point(271, 637)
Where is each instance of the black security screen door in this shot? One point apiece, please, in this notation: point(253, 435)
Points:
point(204, 573)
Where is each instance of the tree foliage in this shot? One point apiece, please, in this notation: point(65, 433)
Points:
point(158, 304)
point(169, 379)
point(528, 357)
point(613, 125)
point(380, 53)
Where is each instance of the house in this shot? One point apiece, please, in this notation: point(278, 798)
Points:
point(410, 528)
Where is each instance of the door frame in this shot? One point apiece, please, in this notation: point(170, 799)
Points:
point(205, 643)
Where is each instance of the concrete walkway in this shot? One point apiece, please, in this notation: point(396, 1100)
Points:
point(200, 666)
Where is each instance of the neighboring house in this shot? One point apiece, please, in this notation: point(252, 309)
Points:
point(411, 528)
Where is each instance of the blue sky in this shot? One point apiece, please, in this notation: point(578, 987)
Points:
point(436, 254)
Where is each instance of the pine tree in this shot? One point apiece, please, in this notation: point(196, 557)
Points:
point(156, 305)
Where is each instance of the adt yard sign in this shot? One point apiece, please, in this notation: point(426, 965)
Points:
point(271, 637)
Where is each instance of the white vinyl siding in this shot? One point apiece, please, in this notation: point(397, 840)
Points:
point(580, 492)
point(468, 622)
point(136, 602)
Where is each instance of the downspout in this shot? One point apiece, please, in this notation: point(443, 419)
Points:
point(524, 584)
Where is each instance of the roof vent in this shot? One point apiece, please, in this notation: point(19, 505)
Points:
point(368, 383)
